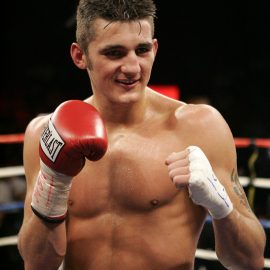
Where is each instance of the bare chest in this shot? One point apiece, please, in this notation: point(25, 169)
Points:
point(131, 176)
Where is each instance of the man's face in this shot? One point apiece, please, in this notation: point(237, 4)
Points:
point(120, 59)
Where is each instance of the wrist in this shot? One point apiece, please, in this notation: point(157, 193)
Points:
point(50, 194)
point(205, 188)
point(211, 194)
point(223, 208)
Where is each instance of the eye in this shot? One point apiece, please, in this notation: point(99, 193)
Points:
point(143, 49)
point(114, 54)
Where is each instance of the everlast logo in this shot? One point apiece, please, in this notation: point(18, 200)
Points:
point(51, 143)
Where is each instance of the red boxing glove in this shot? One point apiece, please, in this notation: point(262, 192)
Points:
point(75, 131)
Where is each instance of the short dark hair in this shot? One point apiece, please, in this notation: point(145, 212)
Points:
point(111, 10)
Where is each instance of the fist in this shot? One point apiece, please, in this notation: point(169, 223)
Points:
point(74, 132)
point(191, 168)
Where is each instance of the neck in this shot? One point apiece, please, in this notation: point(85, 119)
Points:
point(125, 114)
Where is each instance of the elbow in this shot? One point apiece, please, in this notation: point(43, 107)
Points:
point(36, 256)
point(244, 264)
point(242, 258)
point(258, 264)
point(254, 265)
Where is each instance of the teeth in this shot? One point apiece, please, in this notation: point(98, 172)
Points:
point(127, 82)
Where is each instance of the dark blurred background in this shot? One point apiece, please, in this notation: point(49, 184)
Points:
point(216, 50)
point(219, 51)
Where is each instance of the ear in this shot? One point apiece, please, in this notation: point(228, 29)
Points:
point(155, 46)
point(78, 56)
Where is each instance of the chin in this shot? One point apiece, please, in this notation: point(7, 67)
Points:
point(130, 98)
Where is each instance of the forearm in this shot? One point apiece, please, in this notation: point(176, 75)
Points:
point(240, 242)
point(42, 245)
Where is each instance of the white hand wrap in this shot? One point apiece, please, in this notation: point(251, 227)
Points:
point(51, 193)
point(204, 187)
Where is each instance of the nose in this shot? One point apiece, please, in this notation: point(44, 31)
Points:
point(131, 64)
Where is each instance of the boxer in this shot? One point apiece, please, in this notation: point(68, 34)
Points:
point(126, 178)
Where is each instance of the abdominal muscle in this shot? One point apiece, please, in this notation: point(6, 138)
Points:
point(162, 238)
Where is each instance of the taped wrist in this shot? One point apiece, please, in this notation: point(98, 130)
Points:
point(50, 195)
point(223, 205)
point(204, 187)
point(211, 194)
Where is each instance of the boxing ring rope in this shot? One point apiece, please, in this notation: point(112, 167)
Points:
point(11, 138)
point(256, 182)
point(11, 171)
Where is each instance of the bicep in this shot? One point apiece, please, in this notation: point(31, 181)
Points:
point(223, 157)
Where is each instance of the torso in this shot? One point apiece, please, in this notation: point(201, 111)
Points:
point(124, 211)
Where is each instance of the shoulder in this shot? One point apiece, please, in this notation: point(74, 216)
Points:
point(33, 132)
point(201, 116)
point(36, 126)
point(189, 116)
point(205, 127)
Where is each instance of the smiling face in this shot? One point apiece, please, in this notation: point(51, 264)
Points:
point(119, 60)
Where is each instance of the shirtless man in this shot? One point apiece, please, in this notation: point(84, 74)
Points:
point(140, 198)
